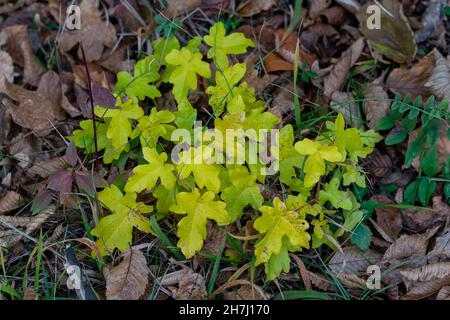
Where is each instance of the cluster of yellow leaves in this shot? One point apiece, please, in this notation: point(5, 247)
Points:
point(202, 189)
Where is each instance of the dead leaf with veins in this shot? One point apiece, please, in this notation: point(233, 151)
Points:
point(95, 34)
point(128, 280)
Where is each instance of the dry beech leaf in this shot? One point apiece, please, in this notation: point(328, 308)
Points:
point(9, 201)
point(344, 102)
point(353, 261)
point(352, 281)
point(247, 292)
point(283, 102)
point(95, 33)
point(128, 280)
point(408, 247)
point(412, 81)
point(338, 74)
point(378, 164)
point(19, 47)
point(319, 281)
point(394, 39)
point(376, 104)
point(335, 15)
point(427, 280)
point(35, 110)
point(252, 7)
point(179, 7)
point(388, 218)
point(439, 81)
point(442, 146)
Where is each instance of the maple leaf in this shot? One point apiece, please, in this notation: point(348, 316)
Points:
point(155, 125)
point(166, 198)
point(184, 76)
point(84, 137)
point(145, 176)
point(120, 125)
point(221, 45)
point(116, 229)
point(137, 85)
point(205, 174)
point(257, 119)
point(224, 89)
point(278, 224)
point(317, 154)
point(192, 228)
point(289, 158)
point(243, 192)
point(337, 198)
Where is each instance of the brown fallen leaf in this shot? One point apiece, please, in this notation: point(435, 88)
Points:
point(283, 102)
point(247, 292)
point(9, 201)
point(275, 63)
point(441, 249)
point(9, 237)
point(179, 7)
point(95, 34)
point(431, 19)
point(46, 168)
point(394, 38)
point(338, 74)
point(353, 261)
point(412, 81)
point(388, 218)
point(376, 104)
point(439, 81)
point(378, 164)
point(36, 110)
point(427, 280)
point(412, 248)
point(335, 15)
point(19, 47)
point(30, 294)
point(185, 284)
point(419, 220)
point(128, 280)
point(250, 8)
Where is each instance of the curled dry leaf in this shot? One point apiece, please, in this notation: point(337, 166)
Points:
point(9, 201)
point(388, 218)
point(439, 81)
point(250, 8)
point(275, 63)
point(394, 39)
point(427, 280)
point(19, 47)
point(376, 104)
point(95, 33)
point(338, 74)
point(441, 249)
point(412, 81)
point(128, 280)
point(247, 292)
point(283, 102)
point(185, 285)
point(419, 220)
